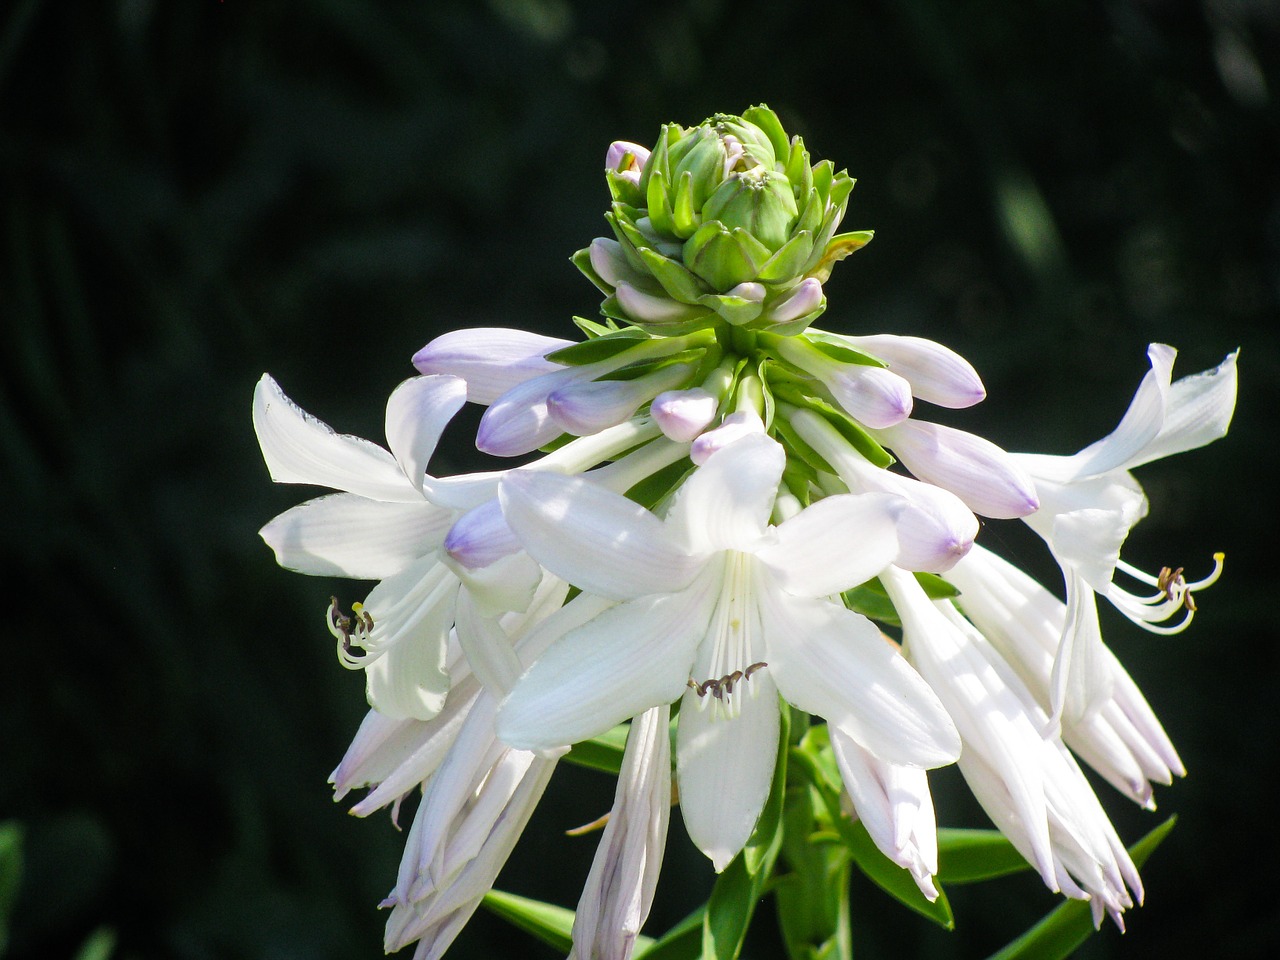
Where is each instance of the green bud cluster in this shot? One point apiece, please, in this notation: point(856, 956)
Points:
point(725, 221)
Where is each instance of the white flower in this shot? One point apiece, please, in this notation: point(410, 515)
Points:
point(1029, 784)
point(624, 874)
point(716, 604)
point(1122, 739)
point(1090, 501)
point(894, 803)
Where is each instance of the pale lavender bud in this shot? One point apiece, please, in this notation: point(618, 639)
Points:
point(806, 297)
point(748, 290)
point(627, 159)
point(587, 408)
point(871, 395)
point(683, 414)
point(936, 373)
point(491, 360)
point(981, 474)
point(734, 427)
point(647, 308)
point(480, 537)
point(518, 421)
point(608, 261)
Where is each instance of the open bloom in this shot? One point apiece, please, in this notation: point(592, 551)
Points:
point(716, 605)
point(1089, 502)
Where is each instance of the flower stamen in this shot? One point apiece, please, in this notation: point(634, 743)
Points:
point(722, 687)
point(350, 631)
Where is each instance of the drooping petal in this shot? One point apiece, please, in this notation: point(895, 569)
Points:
point(409, 680)
point(835, 663)
point(724, 766)
point(597, 540)
point(298, 448)
point(624, 874)
point(835, 544)
point(418, 410)
point(492, 360)
point(343, 535)
point(727, 502)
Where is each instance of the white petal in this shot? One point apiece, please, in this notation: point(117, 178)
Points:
point(835, 663)
point(936, 373)
point(343, 535)
point(506, 585)
point(409, 679)
point(835, 544)
point(725, 767)
point(491, 360)
point(985, 477)
point(418, 410)
point(597, 540)
point(630, 658)
point(727, 502)
point(1140, 424)
point(298, 448)
point(624, 873)
point(742, 423)
point(488, 649)
point(1081, 680)
point(1200, 410)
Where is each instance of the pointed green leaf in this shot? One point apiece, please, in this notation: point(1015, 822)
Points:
point(651, 490)
point(768, 121)
point(717, 258)
point(674, 277)
point(1062, 931)
point(870, 600)
point(791, 256)
point(812, 214)
point(969, 856)
point(683, 215)
point(836, 248)
point(756, 253)
point(838, 350)
point(936, 587)
point(550, 924)
point(736, 310)
point(660, 203)
point(592, 329)
point(598, 348)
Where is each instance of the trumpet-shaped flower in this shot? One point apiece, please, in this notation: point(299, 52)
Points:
point(1029, 784)
point(1089, 502)
point(719, 607)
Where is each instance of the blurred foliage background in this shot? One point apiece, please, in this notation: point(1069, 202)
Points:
point(194, 192)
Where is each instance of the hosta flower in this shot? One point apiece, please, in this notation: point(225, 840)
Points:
point(727, 220)
point(1029, 784)
point(1121, 739)
point(1090, 501)
point(718, 607)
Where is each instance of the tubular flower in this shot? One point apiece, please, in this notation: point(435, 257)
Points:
point(723, 507)
point(721, 610)
point(1090, 502)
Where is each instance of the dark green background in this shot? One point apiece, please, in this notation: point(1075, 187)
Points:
point(194, 192)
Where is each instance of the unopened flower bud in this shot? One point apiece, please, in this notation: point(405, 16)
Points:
point(683, 414)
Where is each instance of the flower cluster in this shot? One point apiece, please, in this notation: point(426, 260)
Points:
point(715, 530)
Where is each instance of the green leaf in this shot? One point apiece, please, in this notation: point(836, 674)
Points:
point(602, 347)
point(870, 600)
point(550, 924)
point(791, 256)
point(591, 329)
point(813, 895)
point(582, 260)
point(1062, 931)
point(844, 353)
point(676, 280)
point(967, 856)
point(738, 889)
point(10, 874)
point(650, 491)
point(935, 587)
point(768, 121)
point(681, 942)
point(852, 432)
point(601, 753)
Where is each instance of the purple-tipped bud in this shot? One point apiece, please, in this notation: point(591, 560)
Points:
point(744, 423)
point(981, 474)
point(587, 408)
point(480, 537)
point(936, 373)
point(646, 308)
point(491, 360)
point(518, 421)
point(805, 298)
point(871, 395)
point(683, 414)
point(627, 159)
